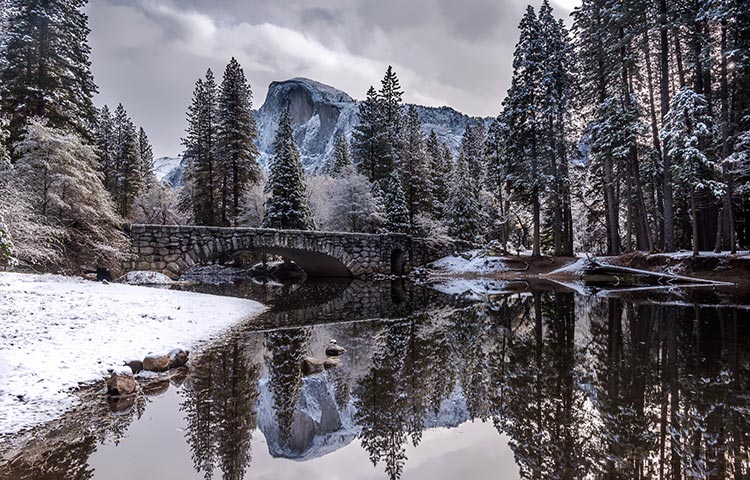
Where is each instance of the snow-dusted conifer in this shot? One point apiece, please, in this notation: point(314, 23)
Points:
point(147, 158)
point(463, 214)
point(199, 197)
point(439, 169)
point(341, 160)
point(287, 207)
point(237, 158)
point(415, 168)
point(106, 145)
point(391, 114)
point(394, 204)
point(46, 68)
point(687, 134)
point(367, 136)
point(127, 180)
point(521, 115)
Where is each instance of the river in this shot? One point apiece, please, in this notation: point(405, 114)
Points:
point(533, 381)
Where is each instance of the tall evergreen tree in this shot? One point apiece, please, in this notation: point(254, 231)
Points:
point(439, 169)
point(415, 168)
point(105, 141)
point(463, 212)
point(341, 160)
point(521, 115)
point(367, 136)
point(45, 70)
point(200, 196)
point(391, 108)
point(237, 157)
point(557, 90)
point(146, 153)
point(377, 139)
point(287, 207)
point(126, 179)
point(687, 135)
point(394, 204)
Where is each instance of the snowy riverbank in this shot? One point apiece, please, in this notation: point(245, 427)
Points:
point(57, 333)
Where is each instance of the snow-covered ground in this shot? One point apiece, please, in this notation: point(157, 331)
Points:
point(57, 333)
point(473, 261)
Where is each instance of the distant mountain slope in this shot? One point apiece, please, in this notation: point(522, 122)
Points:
point(320, 111)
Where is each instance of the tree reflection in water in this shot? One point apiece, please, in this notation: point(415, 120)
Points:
point(219, 406)
point(583, 387)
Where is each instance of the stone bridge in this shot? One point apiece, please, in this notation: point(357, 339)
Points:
point(174, 249)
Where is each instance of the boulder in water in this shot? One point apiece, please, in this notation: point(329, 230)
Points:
point(156, 363)
point(334, 349)
point(311, 366)
point(121, 382)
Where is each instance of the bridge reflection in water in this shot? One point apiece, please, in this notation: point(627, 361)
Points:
point(582, 387)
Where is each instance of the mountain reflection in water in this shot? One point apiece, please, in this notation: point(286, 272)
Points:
point(645, 386)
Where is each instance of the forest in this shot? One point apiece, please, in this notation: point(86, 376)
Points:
point(628, 130)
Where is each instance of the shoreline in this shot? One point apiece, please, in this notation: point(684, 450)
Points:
point(62, 334)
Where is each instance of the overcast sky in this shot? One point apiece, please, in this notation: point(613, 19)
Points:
point(148, 54)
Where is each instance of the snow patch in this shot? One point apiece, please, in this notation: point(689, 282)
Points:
point(57, 333)
point(146, 278)
point(473, 261)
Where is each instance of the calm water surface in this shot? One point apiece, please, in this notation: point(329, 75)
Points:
point(538, 382)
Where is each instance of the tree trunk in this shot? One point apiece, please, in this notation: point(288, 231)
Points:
point(694, 221)
point(726, 150)
point(668, 233)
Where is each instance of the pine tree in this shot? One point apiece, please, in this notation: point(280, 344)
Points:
point(557, 89)
point(146, 153)
point(126, 180)
point(377, 139)
point(237, 158)
point(498, 175)
point(287, 207)
point(391, 114)
point(341, 161)
point(415, 168)
point(394, 204)
point(687, 135)
point(200, 196)
point(367, 136)
point(521, 115)
point(104, 139)
point(463, 213)
point(439, 161)
point(45, 71)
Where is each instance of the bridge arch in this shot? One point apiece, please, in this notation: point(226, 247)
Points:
point(175, 249)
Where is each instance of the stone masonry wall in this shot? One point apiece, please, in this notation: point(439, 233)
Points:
point(174, 249)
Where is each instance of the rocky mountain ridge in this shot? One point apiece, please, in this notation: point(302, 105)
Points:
point(319, 112)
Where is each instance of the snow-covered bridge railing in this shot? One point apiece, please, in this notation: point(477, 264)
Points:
point(174, 249)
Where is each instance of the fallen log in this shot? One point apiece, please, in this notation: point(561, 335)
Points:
point(595, 267)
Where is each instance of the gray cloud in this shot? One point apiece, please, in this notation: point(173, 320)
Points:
point(147, 54)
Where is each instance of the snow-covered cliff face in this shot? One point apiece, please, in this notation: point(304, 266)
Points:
point(320, 111)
